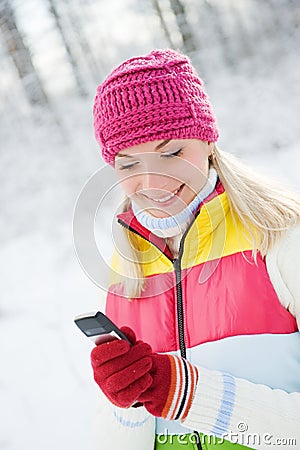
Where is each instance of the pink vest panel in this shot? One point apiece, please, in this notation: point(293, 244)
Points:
point(229, 302)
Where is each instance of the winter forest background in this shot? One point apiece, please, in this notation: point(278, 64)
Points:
point(53, 54)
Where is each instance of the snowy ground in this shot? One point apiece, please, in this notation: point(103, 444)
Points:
point(46, 387)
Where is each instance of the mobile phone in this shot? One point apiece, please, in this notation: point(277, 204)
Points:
point(99, 328)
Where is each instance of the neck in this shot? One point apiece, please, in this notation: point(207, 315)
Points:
point(174, 225)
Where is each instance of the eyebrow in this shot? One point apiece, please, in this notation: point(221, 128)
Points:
point(158, 147)
point(162, 144)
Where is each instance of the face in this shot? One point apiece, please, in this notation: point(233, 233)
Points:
point(163, 177)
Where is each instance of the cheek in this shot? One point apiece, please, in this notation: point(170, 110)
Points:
point(202, 163)
point(197, 174)
point(129, 185)
point(195, 168)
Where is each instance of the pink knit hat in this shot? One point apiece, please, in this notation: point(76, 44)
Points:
point(152, 97)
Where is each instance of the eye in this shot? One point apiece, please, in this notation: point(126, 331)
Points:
point(128, 166)
point(171, 155)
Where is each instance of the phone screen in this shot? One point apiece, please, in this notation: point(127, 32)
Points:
point(91, 326)
point(99, 328)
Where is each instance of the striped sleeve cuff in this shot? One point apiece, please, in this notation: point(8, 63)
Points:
point(184, 377)
point(213, 404)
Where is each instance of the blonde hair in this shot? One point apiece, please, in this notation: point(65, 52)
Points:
point(259, 203)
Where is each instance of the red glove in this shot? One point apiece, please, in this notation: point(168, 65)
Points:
point(121, 371)
point(165, 384)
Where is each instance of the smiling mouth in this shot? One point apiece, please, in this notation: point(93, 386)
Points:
point(168, 197)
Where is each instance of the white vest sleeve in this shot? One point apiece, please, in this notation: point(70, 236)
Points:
point(283, 265)
point(237, 409)
point(122, 429)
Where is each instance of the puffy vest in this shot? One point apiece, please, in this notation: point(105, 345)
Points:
point(213, 305)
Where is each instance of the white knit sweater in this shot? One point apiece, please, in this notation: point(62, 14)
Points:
point(271, 413)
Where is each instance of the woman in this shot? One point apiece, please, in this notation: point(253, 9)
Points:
point(204, 275)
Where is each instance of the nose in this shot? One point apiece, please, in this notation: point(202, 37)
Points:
point(154, 180)
point(156, 175)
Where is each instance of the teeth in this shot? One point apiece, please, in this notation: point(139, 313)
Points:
point(161, 200)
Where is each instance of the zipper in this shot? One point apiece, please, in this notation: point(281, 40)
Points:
point(177, 266)
point(138, 234)
point(180, 312)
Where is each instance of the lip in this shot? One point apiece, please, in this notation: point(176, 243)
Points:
point(167, 198)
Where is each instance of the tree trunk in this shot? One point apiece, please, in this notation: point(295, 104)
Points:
point(20, 55)
point(186, 32)
point(242, 38)
point(163, 23)
point(68, 48)
point(84, 44)
point(222, 39)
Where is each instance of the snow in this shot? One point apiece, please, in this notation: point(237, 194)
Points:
point(46, 387)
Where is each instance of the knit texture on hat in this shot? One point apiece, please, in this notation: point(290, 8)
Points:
point(152, 97)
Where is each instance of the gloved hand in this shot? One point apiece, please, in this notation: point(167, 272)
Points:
point(121, 371)
point(165, 384)
point(172, 390)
